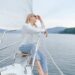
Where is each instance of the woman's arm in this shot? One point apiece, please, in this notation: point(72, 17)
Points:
point(36, 29)
point(30, 28)
point(42, 24)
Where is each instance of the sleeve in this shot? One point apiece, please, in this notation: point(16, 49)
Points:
point(28, 28)
point(37, 29)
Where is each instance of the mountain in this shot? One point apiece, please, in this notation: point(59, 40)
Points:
point(2, 30)
point(68, 31)
point(56, 29)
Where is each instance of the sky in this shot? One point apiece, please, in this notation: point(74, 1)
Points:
point(55, 13)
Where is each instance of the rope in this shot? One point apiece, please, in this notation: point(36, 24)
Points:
point(5, 59)
point(7, 47)
point(60, 71)
point(10, 45)
point(2, 36)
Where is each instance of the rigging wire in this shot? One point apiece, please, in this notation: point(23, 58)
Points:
point(52, 59)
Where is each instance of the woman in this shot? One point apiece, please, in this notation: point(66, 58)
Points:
point(29, 29)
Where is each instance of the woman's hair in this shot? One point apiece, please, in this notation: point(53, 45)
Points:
point(29, 16)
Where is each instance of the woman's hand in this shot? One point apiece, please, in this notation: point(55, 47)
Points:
point(46, 33)
point(39, 18)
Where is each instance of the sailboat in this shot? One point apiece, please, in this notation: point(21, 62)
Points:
point(15, 12)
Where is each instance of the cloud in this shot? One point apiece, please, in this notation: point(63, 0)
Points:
point(53, 12)
point(60, 23)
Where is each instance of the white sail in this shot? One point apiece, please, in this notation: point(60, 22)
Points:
point(14, 12)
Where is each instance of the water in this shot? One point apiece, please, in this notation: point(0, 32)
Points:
point(61, 47)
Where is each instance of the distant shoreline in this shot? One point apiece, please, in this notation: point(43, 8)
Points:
point(55, 30)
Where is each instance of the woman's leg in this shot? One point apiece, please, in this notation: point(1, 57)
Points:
point(43, 63)
point(46, 74)
point(39, 68)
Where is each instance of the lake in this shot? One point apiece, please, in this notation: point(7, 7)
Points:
point(60, 46)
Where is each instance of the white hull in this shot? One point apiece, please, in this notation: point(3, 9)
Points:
point(16, 69)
